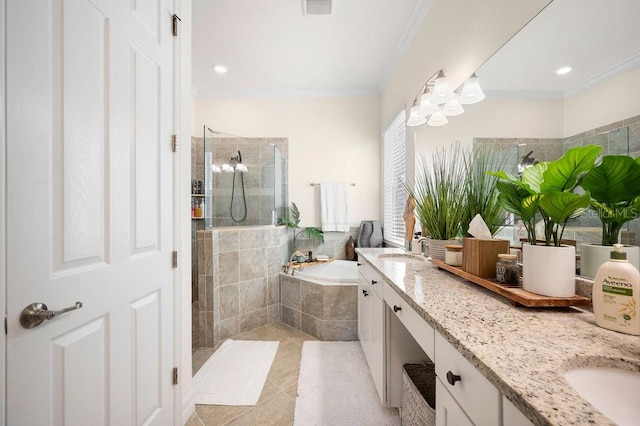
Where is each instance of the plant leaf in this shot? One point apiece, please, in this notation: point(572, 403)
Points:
point(533, 176)
point(314, 234)
point(616, 180)
point(563, 174)
point(561, 206)
point(295, 213)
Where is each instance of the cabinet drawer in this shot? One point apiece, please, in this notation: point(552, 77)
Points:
point(422, 332)
point(474, 393)
point(372, 277)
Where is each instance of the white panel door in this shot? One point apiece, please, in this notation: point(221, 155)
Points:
point(89, 211)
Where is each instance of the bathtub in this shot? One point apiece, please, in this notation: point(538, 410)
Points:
point(322, 300)
point(337, 272)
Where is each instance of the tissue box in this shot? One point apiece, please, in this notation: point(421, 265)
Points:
point(479, 257)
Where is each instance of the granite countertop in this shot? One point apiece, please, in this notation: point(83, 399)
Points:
point(522, 351)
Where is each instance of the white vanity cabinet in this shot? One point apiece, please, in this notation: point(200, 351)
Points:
point(462, 392)
point(511, 416)
point(371, 325)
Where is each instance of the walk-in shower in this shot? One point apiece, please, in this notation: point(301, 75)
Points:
point(244, 180)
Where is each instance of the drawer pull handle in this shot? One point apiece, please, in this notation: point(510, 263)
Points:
point(358, 264)
point(452, 378)
point(374, 282)
point(365, 292)
point(397, 308)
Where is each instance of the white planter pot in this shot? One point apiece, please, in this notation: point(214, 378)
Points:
point(592, 256)
point(549, 271)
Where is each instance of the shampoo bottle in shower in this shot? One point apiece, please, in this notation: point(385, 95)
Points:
point(616, 294)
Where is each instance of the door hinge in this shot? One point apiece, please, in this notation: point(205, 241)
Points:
point(175, 375)
point(174, 259)
point(175, 18)
point(174, 143)
point(5, 324)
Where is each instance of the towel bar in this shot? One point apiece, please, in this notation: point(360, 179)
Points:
point(316, 184)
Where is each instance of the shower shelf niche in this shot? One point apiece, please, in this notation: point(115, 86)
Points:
point(201, 217)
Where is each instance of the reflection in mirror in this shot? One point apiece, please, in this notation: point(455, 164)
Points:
point(539, 114)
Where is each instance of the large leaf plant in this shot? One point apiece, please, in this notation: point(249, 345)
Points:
point(615, 193)
point(313, 234)
point(546, 190)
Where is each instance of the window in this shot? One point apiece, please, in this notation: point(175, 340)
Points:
point(394, 196)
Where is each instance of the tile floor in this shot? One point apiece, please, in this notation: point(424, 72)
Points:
point(277, 400)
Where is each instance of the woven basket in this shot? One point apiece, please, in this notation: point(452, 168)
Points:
point(418, 395)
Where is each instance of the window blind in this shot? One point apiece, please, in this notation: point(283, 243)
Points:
point(394, 194)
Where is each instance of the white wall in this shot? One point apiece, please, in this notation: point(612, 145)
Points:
point(330, 140)
point(609, 102)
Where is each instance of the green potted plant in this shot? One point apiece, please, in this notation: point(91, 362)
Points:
point(481, 192)
point(480, 251)
point(312, 233)
point(438, 193)
point(615, 196)
point(546, 191)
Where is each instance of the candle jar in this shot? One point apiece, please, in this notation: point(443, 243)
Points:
point(507, 269)
point(453, 255)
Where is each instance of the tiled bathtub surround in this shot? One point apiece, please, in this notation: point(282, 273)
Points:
point(326, 312)
point(333, 246)
point(238, 280)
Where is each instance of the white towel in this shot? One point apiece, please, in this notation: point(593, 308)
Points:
point(333, 207)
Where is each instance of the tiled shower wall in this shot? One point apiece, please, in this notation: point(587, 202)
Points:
point(265, 182)
point(238, 280)
point(619, 138)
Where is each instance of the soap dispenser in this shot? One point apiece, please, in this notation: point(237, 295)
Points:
point(616, 294)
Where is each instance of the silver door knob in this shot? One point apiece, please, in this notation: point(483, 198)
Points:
point(36, 313)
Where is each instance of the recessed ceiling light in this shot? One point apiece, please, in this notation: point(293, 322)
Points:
point(220, 69)
point(563, 70)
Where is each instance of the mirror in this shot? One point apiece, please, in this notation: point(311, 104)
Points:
point(538, 114)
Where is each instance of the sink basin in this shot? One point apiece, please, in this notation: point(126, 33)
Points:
point(613, 391)
point(402, 257)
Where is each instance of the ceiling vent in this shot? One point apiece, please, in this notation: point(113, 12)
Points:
point(316, 7)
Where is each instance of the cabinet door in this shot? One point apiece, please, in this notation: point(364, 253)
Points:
point(448, 412)
point(364, 333)
point(376, 361)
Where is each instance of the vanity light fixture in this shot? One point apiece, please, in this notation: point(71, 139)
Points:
point(452, 107)
point(436, 99)
point(437, 119)
point(563, 70)
point(471, 91)
point(441, 89)
point(415, 118)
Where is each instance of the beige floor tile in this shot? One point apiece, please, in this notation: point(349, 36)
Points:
point(286, 367)
point(277, 400)
point(218, 415)
point(277, 411)
point(292, 333)
point(264, 333)
point(200, 357)
point(194, 420)
point(292, 390)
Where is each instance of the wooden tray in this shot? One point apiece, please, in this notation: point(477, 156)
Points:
point(305, 264)
point(518, 295)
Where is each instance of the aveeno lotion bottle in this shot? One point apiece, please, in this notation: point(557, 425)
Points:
point(616, 294)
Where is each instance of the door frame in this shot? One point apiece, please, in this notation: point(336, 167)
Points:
point(3, 215)
point(182, 116)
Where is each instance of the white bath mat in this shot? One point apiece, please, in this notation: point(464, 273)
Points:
point(235, 373)
point(335, 388)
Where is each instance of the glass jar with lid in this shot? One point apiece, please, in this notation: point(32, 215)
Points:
point(507, 269)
